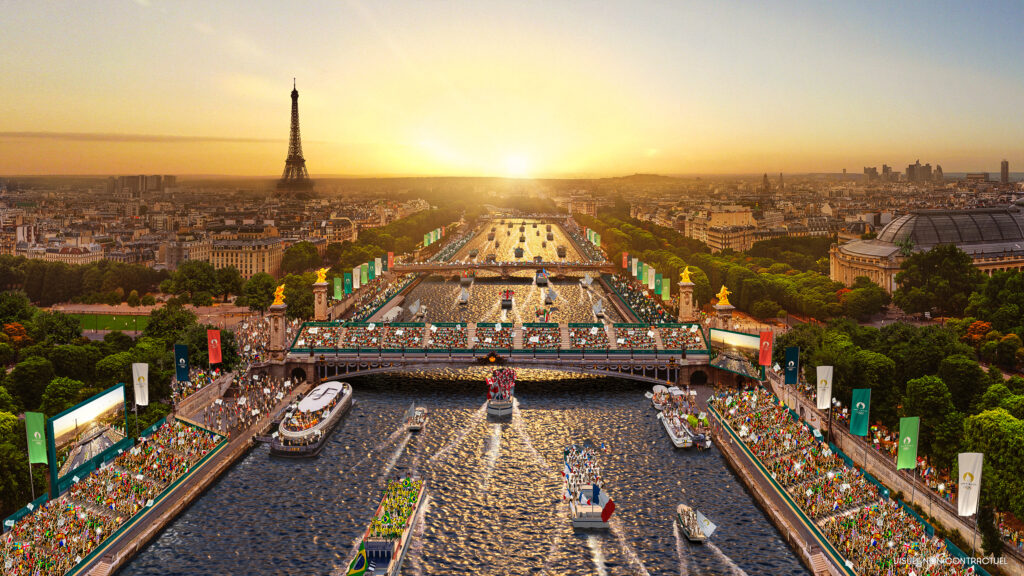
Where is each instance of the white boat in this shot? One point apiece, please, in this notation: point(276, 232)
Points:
point(587, 281)
point(415, 418)
point(550, 296)
point(541, 278)
point(599, 309)
point(658, 397)
point(417, 311)
point(679, 435)
point(590, 506)
point(305, 427)
point(695, 525)
point(464, 297)
point(500, 392)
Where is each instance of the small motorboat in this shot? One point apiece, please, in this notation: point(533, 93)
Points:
point(695, 526)
point(415, 418)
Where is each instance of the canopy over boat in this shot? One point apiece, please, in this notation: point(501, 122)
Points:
point(321, 396)
point(658, 389)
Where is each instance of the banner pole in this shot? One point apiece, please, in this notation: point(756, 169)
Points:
point(32, 481)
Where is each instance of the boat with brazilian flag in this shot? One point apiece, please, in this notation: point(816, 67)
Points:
point(383, 547)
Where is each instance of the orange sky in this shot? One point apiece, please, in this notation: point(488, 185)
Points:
point(506, 89)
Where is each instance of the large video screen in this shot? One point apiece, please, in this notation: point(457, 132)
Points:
point(85, 431)
point(744, 343)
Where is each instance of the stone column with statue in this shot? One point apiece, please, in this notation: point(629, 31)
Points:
point(723, 309)
point(320, 296)
point(278, 326)
point(687, 311)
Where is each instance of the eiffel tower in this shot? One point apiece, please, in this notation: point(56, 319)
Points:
point(295, 177)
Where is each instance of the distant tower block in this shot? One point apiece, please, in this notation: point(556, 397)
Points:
point(295, 177)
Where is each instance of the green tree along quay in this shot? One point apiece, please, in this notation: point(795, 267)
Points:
point(169, 323)
point(300, 257)
point(48, 283)
point(941, 279)
point(28, 380)
point(259, 291)
point(61, 393)
point(1001, 301)
point(15, 489)
point(928, 398)
point(1000, 437)
point(195, 338)
point(191, 279)
point(964, 378)
point(229, 281)
point(298, 294)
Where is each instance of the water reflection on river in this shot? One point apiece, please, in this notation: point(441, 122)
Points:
point(494, 491)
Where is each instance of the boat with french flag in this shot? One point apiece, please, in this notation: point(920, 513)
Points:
point(383, 546)
point(590, 505)
point(501, 387)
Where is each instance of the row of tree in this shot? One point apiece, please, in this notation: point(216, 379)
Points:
point(47, 283)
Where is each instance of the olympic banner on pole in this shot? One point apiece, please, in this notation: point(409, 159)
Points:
point(906, 457)
point(824, 387)
point(140, 378)
point(181, 363)
point(213, 343)
point(792, 365)
point(764, 357)
point(338, 295)
point(35, 429)
point(860, 411)
point(348, 283)
point(969, 466)
point(625, 261)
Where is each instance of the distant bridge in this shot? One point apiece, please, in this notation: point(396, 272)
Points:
point(651, 367)
point(504, 268)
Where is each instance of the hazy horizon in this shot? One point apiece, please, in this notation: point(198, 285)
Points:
point(533, 89)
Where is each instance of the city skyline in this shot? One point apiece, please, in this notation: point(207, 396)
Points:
point(534, 90)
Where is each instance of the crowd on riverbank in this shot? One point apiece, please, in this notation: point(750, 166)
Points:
point(377, 294)
point(635, 338)
point(871, 531)
point(646, 308)
point(198, 378)
point(59, 534)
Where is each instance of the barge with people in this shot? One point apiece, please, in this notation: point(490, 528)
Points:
point(415, 418)
point(583, 487)
point(305, 426)
point(695, 526)
point(382, 548)
point(501, 386)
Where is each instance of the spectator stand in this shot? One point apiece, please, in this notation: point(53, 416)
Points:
point(363, 335)
point(588, 336)
point(315, 337)
point(541, 336)
point(488, 336)
point(448, 336)
point(689, 337)
point(631, 336)
point(403, 336)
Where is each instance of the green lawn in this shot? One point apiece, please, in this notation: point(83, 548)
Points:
point(111, 321)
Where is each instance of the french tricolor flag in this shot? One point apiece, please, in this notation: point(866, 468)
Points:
point(606, 504)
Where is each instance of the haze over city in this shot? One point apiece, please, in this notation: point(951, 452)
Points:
point(525, 89)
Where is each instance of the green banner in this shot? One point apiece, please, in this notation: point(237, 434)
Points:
point(666, 289)
point(337, 288)
point(657, 283)
point(348, 283)
point(426, 240)
point(859, 411)
point(372, 272)
point(364, 274)
point(597, 239)
point(906, 457)
point(35, 431)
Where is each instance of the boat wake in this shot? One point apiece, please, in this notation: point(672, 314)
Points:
point(517, 425)
point(734, 569)
point(627, 550)
point(597, 554)
point(390, 464)
point(474, 419)
point(680, 550)
point(380, 446)
point(493, 451)
point(416, 547)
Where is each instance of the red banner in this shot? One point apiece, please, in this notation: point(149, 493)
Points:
point(765, 358)
point(391, 260)
point(213, 343)
point(625, 260)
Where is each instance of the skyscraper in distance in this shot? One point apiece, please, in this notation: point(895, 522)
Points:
point(1004, 172)
point(295, 177)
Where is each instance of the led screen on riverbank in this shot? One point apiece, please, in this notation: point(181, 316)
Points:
point(80, 434)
